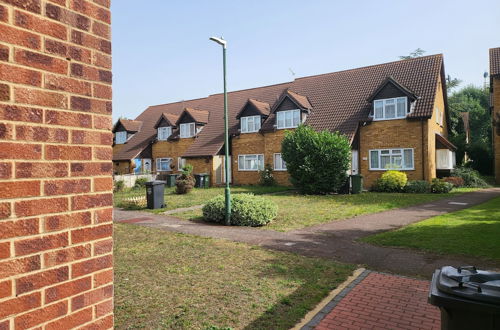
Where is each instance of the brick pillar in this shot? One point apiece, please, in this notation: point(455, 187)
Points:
point(55, 164)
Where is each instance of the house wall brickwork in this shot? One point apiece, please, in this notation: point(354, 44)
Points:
point(403, 133)
point(256, 143)
point(496, 131)
point(433, 127)
point(170, 149)
point(399, 133)
point(56, 259)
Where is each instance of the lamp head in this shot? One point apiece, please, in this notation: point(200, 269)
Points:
point(220, 41)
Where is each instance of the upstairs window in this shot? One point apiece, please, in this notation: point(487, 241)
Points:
point(120, 137)
point(391, 159)
point(188, 130)
point(250, 162)
point(288, 118)
point(279, 163)
point(164, 133)
point(250, 124)
point(394, 108)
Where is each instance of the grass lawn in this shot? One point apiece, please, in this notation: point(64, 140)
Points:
point(175, 281)
point(474, 231)
point(298, 211)
point(196, 197)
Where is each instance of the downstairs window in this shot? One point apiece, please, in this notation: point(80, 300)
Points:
point(391, 159)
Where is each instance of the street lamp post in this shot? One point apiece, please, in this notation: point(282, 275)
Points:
point(227, 191)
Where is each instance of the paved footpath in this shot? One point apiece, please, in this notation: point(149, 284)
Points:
point(337, 240)
point(379, 301)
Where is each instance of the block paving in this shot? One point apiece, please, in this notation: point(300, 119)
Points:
point(382, 301)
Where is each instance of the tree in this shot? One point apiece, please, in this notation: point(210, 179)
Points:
point(316, 161)
point(475, 101)
point(416, 53)
point(452, 83)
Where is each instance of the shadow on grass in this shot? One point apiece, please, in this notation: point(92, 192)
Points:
point(317, 281)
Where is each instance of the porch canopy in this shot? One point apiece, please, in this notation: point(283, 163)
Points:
point(445, 153)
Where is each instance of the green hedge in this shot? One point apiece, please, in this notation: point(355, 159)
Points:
point(246, 210)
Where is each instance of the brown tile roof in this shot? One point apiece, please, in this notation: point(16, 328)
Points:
point(199, 116)
point(129, 125)
point(300, 100)
point(338, 101)
point(171, 119)
point(495, 61)
point(263, 107)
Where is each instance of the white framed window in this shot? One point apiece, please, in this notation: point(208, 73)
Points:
point(394, 108)
point(188, 130)
point(164, 133)
point(391, 159)
point(250, 162)
point(120, 137)
point(288, 118)
point(181, 162)
point(163, 164)
point(279, 163)
point(250, 124)
point(439, 117)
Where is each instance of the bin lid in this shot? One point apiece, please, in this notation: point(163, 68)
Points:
point(470, 283)
point(154, 183)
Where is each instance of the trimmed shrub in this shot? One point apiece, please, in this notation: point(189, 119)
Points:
point(455, 181)
point(118, 185)
point(140, 183)
point(246, 210)
point(470, 176)
point(391, 181)
point(316, 161)
point(417, 187)
point(267, 177)
point(440, 187)
point(186, 181)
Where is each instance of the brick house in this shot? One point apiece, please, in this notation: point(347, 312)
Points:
point(495, 107)
point(394, 115)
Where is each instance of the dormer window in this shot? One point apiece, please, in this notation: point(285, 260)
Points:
point(188, 130)
point(164, 133)
point(120, 137)
point(288, 119)
point(250, 124)
point(393, 108)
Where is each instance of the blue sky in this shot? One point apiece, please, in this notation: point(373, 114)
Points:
point(161, 51)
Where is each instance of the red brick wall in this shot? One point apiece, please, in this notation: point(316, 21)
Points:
point(55, 164)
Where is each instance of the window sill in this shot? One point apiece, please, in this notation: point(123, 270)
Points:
point(286, 127)
point(249, 170)
point(279, 170)
point(249, 132)
point(391, 169)
point(386, 119)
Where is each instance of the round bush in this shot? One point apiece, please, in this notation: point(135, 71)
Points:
point(246, 210)
point(470, 176)
point(440, 187)
point(417, 187)
point(316, 161)
point(391, 181)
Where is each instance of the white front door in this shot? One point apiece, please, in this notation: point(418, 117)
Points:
point(354, 162)
point(147, 165)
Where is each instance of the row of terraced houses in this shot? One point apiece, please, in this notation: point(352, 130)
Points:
point(394, 115)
